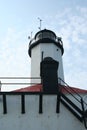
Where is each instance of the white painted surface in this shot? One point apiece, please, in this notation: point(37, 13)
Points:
point(32, 120)
point(50, 50)
point(35, 63)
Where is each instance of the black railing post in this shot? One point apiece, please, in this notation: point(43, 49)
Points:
point(40, 104)
point(22, 103)
point(58, 103)
point(4, 104)
point(84, 118)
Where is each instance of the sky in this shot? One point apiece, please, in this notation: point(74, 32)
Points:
point(68, 19)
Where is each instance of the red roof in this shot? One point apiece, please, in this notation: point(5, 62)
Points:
point(64, 89)
point(74, 90)
point(35, 88)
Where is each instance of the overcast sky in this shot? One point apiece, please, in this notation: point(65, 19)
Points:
point(68, 19)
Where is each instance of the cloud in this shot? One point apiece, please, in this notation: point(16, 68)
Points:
point(71, 25)
point(73, 30)
point(14, 56)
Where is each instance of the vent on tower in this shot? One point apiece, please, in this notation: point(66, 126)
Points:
point(48, 70)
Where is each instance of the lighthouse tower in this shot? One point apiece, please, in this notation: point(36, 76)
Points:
point(45, 44)
point(48, 105)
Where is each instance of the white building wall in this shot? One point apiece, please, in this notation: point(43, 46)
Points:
point(35, 63)
point(32, 120)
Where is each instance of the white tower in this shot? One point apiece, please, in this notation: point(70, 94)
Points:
point(45, 44)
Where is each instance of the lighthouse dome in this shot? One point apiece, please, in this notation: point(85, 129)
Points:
point(45, 36)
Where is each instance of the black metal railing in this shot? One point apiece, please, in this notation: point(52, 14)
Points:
point(75, 104)
point(23, 94)
point(72, 92)
point(57, 39)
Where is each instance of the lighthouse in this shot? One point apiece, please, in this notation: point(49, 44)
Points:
point(48, 105)
point(45, 44)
